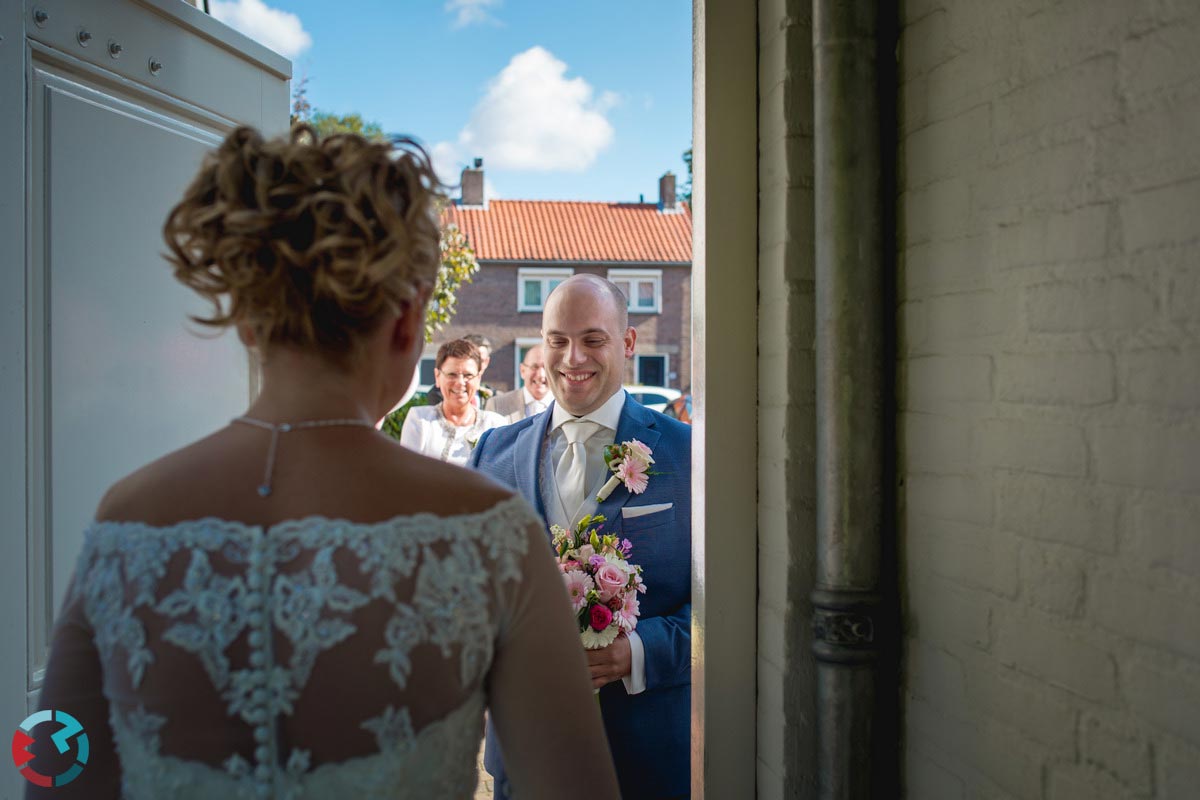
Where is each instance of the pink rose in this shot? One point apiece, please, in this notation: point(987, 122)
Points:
point(610, 580)
point(601, 618)
point(633, 474)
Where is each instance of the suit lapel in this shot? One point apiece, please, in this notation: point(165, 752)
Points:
point(528, 459)
point(637, 422)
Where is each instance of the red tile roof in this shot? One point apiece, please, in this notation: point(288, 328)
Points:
point(553, 230)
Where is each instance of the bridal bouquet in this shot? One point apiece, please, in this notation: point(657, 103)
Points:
point(603, 585)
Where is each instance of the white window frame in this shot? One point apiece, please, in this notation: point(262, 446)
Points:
point(545, 275)
point(637, 368)
point(522, 341)
point(432, 359)
point(635, 277)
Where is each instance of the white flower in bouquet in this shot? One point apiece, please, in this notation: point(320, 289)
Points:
point(601, 582)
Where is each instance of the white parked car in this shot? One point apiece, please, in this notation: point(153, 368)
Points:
point(654, 397)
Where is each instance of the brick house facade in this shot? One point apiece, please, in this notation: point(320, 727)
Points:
point(525, 246)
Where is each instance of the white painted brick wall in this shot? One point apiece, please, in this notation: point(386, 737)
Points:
point(1049, 324)
point(1089, 305)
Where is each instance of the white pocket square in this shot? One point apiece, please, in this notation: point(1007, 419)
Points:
point(629, 512)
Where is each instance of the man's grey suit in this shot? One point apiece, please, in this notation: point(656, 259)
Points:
point(509, 404)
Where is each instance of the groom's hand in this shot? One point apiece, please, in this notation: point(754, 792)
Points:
point(610, 663)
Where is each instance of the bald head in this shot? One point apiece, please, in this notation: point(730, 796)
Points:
point(586, 338)
point(605, 290)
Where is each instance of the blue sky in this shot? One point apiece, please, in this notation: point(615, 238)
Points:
point(563, 99)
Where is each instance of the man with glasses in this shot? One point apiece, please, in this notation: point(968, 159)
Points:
point(532, 397)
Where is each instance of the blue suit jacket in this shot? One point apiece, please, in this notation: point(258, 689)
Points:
point(648, 733)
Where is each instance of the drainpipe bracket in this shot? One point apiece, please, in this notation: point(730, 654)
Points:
point(844, 627)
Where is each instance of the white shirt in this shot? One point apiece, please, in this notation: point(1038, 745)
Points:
point(534, 406)
point(608, 416)
point(427, 431)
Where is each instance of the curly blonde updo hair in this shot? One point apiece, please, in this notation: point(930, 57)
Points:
point(309, 241)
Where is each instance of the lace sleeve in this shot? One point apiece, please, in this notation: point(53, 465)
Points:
point(74, 683)
point(541, 700)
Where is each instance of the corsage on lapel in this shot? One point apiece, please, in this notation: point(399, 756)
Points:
point(630, 463)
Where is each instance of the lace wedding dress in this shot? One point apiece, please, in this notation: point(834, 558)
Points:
point(314, 659)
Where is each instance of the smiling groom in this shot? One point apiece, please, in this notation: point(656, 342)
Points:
point(556, 461)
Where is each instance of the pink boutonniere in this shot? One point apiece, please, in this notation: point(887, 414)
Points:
point(630, 463)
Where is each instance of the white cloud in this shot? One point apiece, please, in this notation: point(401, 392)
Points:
point(533, 117)
point(471, 12)
point(279, 30)
point(447, 162)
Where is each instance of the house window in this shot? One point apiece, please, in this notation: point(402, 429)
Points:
point(642, 289)
point(425, 370)
point(534, 285)
point(521, 346)
point(651, 370)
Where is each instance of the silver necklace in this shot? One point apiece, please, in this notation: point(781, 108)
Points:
point(264, 490)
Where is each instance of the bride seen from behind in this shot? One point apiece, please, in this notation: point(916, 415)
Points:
point(297, 606)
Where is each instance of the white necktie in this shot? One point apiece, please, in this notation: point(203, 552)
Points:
point(571, 473)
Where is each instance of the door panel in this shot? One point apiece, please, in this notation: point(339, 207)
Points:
point(125, 381)
point(100, 369)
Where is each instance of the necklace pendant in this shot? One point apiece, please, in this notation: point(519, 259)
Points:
point(264, 489)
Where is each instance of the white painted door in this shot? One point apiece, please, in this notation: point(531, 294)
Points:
point(100, 371)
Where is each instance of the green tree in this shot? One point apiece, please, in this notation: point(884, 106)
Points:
point(301, 108)
point(458, 267)
point(328, 124)
point(685, 191)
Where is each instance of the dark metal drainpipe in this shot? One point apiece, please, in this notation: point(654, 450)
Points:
point(852, 430)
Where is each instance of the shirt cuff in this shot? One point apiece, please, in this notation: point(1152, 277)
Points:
point(635, 681)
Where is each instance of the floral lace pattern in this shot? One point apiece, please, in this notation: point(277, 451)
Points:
point(257, 608)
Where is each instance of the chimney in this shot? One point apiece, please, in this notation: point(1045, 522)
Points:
point(666, 192)
point(472, 184)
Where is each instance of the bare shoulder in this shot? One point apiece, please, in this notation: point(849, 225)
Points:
point(144, 494)
point(440, 488)
point(359, 477)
